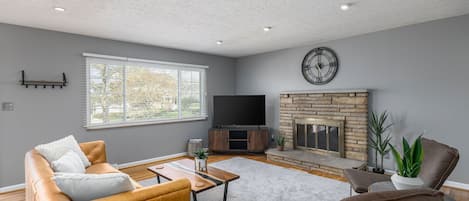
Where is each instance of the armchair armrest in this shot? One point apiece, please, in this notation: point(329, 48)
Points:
point(95, 151)
point(361, 180)
point(400, 195)
point(177, 190)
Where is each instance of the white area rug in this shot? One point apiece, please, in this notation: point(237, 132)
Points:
point(265, 182)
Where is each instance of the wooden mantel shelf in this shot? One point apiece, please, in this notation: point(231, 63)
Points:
point(331, 91)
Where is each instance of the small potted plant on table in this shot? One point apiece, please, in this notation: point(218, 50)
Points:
point(408, 165)
point(280, 140)
point(201, 157)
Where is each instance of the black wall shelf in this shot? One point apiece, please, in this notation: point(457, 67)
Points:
point(43, 83)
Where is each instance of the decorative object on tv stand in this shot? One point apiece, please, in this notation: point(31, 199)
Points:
point(320, 66)
point(201, 157)
point(408, 165)
point(194, 145)
point(280, 141)
point(378, 141)
point(43, 83)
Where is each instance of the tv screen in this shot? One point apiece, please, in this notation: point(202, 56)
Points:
point(239, 110)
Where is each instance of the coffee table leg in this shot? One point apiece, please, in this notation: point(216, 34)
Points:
point(194, 196)
point(226, 191)
point(158, 178)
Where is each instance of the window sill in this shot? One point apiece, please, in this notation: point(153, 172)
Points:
point(143, 123)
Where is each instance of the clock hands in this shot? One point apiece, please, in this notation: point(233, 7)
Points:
point(318, 67)
point(319, 57)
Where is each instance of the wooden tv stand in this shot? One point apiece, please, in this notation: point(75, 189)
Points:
point(238, 139)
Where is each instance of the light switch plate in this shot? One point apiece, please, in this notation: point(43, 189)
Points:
point(8, 106)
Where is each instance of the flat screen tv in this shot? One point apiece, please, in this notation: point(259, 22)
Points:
point(239, 110)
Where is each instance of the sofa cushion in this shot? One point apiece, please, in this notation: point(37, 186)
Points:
point(84, 187)
point(70, 162)
point(95, 151)
point(102, 168)
point(56, 149)
point(361, 180)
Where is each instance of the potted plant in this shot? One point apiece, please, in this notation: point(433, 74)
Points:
point(378, 140)
point(280, 140)
point(201, 157)
point(408, 165)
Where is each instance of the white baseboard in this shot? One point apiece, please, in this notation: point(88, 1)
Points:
point(150, 160)
point(11, 188)
point(454, 184)
point(123, 165)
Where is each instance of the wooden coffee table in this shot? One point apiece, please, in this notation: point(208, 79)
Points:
point(200, 181)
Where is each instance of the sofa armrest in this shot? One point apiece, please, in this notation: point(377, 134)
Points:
point(177, 190)
point(95, 151)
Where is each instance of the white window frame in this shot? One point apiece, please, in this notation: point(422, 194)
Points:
point(125, 61)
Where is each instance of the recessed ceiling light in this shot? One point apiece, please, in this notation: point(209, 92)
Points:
point(345, 7)
point(59, 9)
point(268, 28)
point(219, 42)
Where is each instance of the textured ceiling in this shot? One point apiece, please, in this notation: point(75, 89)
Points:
point(196, 25)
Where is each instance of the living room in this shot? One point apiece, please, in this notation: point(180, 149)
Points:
point(282, 100)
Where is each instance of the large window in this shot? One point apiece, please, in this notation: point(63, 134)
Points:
point(124, 91)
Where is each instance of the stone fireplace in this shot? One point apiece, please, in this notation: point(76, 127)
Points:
point(324, 130)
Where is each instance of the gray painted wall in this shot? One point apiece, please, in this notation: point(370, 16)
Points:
point(418, 73)
point(43, 115)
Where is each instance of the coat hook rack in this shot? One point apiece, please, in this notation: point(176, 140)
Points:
point(43, 83)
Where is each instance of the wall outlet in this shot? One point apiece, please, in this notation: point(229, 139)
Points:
point(8, 106)
point(387, 156)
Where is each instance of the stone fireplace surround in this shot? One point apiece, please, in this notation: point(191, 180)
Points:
point(349, 106)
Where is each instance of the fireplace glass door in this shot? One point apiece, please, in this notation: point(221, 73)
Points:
point(320, 135)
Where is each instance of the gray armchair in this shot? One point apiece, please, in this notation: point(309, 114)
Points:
point(438, 163)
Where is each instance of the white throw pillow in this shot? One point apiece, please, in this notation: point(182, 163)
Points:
point(70, 162)
point(54, 150)
point(85, 187)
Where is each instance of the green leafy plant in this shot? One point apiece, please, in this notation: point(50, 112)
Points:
point(201, 154)
point(410, 162)
point(378, 140)
point(280, 140)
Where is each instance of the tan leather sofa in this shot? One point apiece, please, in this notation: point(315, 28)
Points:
point(40, 185)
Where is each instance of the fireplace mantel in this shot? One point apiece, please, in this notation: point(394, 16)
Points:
point(322, 91)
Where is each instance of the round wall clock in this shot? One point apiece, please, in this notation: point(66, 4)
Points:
point(320, 66)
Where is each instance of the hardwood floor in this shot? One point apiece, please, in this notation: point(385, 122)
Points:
point(456, 193)
point(140, 172)
point(17, 195)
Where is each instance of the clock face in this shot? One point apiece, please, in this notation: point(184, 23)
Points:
point(320, 65)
